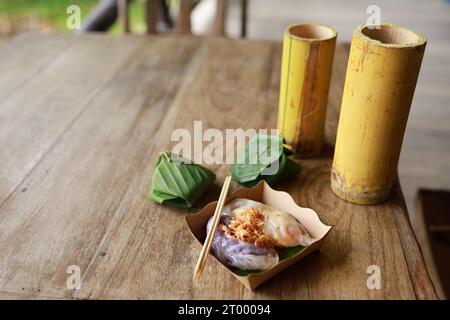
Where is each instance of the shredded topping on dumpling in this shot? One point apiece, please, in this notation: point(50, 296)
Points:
point(248, 228)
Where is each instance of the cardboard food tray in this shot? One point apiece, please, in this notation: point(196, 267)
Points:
point(280, 200)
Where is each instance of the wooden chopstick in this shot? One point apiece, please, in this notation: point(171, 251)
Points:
point(209, 237)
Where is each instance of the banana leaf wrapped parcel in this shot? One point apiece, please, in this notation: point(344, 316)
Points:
point(179, 182)
point(264, 158)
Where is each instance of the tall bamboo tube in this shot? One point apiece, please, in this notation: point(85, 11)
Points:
point(308, 52)
point(382, 71)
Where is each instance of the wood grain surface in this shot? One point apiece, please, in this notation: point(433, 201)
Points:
point(82, 120)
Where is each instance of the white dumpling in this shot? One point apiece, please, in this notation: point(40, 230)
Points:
point(282, 228)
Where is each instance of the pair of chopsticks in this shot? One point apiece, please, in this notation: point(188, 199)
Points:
point(209, 237)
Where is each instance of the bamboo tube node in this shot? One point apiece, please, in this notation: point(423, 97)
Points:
point(382, 72)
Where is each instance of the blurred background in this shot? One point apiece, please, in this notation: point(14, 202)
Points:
point(424, 168)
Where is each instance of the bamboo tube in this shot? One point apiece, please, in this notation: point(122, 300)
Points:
point(381, 77)
point(308, 51)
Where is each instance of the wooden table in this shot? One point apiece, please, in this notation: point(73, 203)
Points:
point(82, 120)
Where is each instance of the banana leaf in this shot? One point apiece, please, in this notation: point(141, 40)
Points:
point(264, 158)
point(179, 182)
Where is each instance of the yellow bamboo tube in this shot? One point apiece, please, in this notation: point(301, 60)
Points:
point(308, 52)
point(382, 71)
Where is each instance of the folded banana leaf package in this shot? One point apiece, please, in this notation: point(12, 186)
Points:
point(179, 182)
point(264, 158)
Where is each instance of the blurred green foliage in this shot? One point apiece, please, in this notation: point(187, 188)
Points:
point(52, 13)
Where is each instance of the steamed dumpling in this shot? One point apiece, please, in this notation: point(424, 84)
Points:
point(282, 228)
point(239, 254)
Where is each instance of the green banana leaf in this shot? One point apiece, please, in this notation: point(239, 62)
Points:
point(179, 182)
point(264, 158)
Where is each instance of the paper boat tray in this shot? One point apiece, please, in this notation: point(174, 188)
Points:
point(276, 199)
